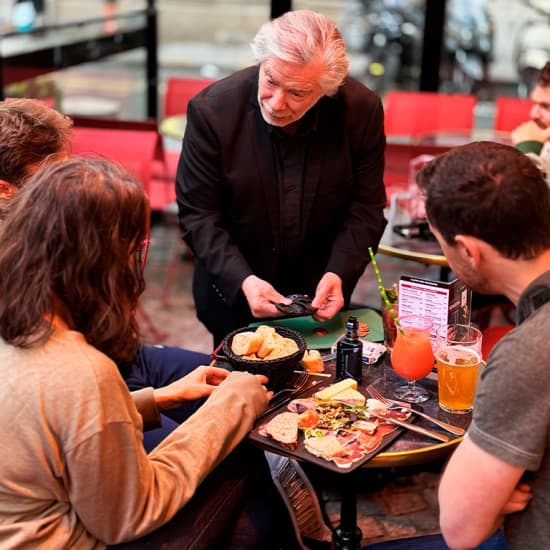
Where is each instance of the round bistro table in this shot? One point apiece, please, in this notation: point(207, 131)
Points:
point(408, 449)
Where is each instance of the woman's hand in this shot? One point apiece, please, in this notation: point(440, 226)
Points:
point(199, 383)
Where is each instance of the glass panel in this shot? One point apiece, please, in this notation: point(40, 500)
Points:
point(494, 47)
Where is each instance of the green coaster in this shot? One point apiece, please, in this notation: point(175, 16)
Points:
point(323, 335)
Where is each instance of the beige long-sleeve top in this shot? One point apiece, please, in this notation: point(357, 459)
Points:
point(73, 471)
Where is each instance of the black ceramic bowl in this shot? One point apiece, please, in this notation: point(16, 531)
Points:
point(280, 370)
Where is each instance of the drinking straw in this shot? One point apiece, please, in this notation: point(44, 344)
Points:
point(383, 291)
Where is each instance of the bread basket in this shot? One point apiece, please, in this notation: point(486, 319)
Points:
point(279, 371)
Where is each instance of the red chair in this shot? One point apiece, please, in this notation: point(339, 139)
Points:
point(179, 91)
point(133, 149)
point(413, 114)
point(510, 112)
point(398, 158)
point(490, 337)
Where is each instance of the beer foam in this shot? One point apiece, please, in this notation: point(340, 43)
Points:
point(459, 356)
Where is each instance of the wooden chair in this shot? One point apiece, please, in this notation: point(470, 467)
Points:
point(510, 112)
point(412, 114)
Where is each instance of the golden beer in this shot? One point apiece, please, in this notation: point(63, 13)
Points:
point(457, 373)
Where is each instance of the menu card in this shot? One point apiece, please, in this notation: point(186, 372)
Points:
point(443, 302)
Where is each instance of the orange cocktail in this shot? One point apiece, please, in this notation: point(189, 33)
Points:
point(412, 356)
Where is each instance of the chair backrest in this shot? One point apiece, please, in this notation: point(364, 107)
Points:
point(133, 149)
point(415, 113)
point(510, 112)
point(179, 91)
point(147, 125)
point(398, 157)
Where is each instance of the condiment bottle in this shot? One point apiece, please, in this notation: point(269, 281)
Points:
point(349, 353)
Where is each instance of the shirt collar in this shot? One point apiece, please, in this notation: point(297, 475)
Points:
point(308, 124)
point(534, 296)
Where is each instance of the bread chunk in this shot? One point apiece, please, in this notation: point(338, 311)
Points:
point(324, 447)
point(283, 428)
point(312, 361)
point(246, 343)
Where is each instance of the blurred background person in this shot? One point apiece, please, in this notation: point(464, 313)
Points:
point(533, 136)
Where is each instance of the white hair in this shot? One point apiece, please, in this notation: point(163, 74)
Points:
point(301, 37)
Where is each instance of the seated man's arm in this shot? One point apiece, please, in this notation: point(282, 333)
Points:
point(477, 489)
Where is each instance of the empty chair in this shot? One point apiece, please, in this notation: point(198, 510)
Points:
point(134, 149)
point(179, 91)
point(413, 114)
point(510, 112)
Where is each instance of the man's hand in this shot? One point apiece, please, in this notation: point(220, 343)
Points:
point(530, 131)
point(519, 499)
point(261, 297)
point(199, 383)
point(328, 297)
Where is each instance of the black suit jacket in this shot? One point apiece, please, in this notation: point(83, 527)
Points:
point(227, 193)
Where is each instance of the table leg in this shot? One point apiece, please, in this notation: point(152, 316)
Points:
point(347, 536)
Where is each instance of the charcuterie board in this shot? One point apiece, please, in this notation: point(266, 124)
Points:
point(348, 432)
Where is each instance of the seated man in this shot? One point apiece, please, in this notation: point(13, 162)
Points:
point(533, 137)
point(32, 135)
point(489, 208)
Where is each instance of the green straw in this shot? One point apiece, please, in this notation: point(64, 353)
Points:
point(383, 291)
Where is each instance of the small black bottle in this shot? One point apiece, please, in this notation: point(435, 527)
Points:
point(349, 353)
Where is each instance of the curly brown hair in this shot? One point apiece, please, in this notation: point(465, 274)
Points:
point(72, 236)
point(31, 133)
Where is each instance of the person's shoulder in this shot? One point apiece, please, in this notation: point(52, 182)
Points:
point(353, 89)
point(236, 85)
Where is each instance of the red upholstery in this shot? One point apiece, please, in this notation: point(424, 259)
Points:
point(179, 91)
point(134, 149)
point(491, 336)
point(398, 159)
point(510, 112)
point(412, 114)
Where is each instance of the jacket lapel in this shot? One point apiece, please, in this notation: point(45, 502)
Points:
point(264, 160)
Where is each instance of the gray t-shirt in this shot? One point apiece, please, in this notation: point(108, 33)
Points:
point(512, 412)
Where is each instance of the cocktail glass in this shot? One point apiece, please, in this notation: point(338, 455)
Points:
point(412, 356)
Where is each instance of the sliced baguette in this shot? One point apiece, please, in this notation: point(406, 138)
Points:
point(283, 428)
point(326, 447)
point(246, 343)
